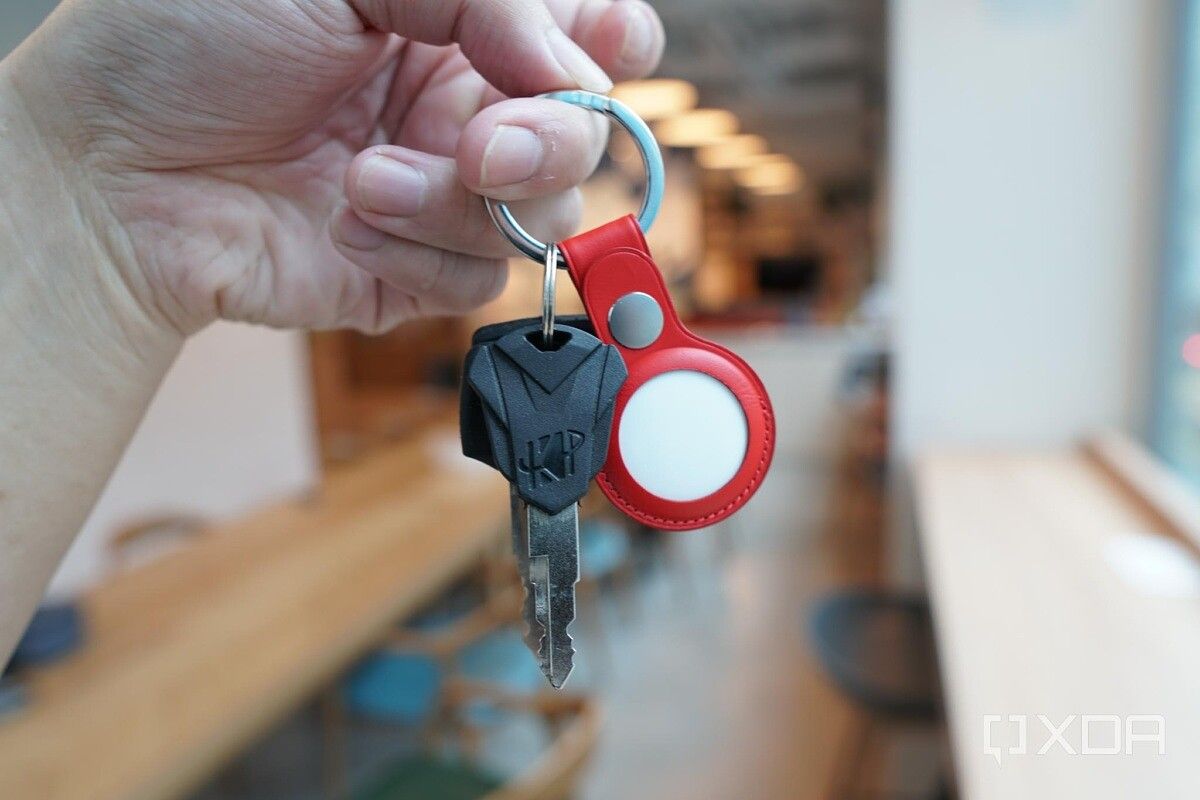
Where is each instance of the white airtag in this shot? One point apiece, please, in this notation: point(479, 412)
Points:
point(683, 435)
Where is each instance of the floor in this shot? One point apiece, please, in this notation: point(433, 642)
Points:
point(711, 692)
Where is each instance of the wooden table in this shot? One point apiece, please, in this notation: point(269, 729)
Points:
point(192, 657)
point(1033, 619)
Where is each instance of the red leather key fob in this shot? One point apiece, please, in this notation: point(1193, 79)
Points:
point(693, 430)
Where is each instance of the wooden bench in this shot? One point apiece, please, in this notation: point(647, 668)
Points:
point(1034, 618)
point(193, 656)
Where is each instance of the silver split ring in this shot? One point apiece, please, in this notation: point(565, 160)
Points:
point(647, 147)
point(549, 277)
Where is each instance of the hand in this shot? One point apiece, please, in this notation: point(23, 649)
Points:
point(317, 163)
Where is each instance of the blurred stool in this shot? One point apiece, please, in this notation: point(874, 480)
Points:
point(571, 721)
point(13, 696)
point(403, 687)
point(605, 562)
point(400, 687)
point(420, 777)
point(463, 632)
point(604, 549)
point(404, 683)
point(397, 688)
point(878, 648)
point(502, 658)
point(55, 631)
point(144, 540)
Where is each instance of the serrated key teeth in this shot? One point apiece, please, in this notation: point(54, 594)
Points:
point(547, 546)
point(560, 668)
point(557, 664)
point(534, 633)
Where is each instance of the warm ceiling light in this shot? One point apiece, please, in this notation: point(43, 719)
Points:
point(769, 172)
point(731, 152)
point(658, 98)
point(696, 128)
point(772, 191)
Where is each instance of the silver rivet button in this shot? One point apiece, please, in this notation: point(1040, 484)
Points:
point(635, 320)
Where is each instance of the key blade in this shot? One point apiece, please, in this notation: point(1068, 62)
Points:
point(551, 570)
point(537, 594)
point(520, 542)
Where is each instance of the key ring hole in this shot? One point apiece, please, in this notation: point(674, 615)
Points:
point(647, 147)
point(560, 338)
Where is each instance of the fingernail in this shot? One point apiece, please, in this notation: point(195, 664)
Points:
point(578, 64)
point(638, 45)
point(390, 187)
point(353, 232)
point(512, 155)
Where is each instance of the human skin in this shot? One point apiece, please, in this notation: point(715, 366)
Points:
point(293, 163)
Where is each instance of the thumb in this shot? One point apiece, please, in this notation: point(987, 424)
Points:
point(514, 44)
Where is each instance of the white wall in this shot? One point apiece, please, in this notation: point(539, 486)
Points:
point(1027, 141)
point(231, 428)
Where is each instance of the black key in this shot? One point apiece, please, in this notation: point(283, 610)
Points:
point(542, 417)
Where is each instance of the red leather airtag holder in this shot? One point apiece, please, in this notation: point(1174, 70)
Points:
point(608, 263)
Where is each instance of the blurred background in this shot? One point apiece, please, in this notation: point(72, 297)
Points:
point(956, 240)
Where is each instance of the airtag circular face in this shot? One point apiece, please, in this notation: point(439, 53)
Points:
point(683, 435)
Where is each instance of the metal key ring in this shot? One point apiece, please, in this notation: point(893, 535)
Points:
point(549, 276)
point(651, 159)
